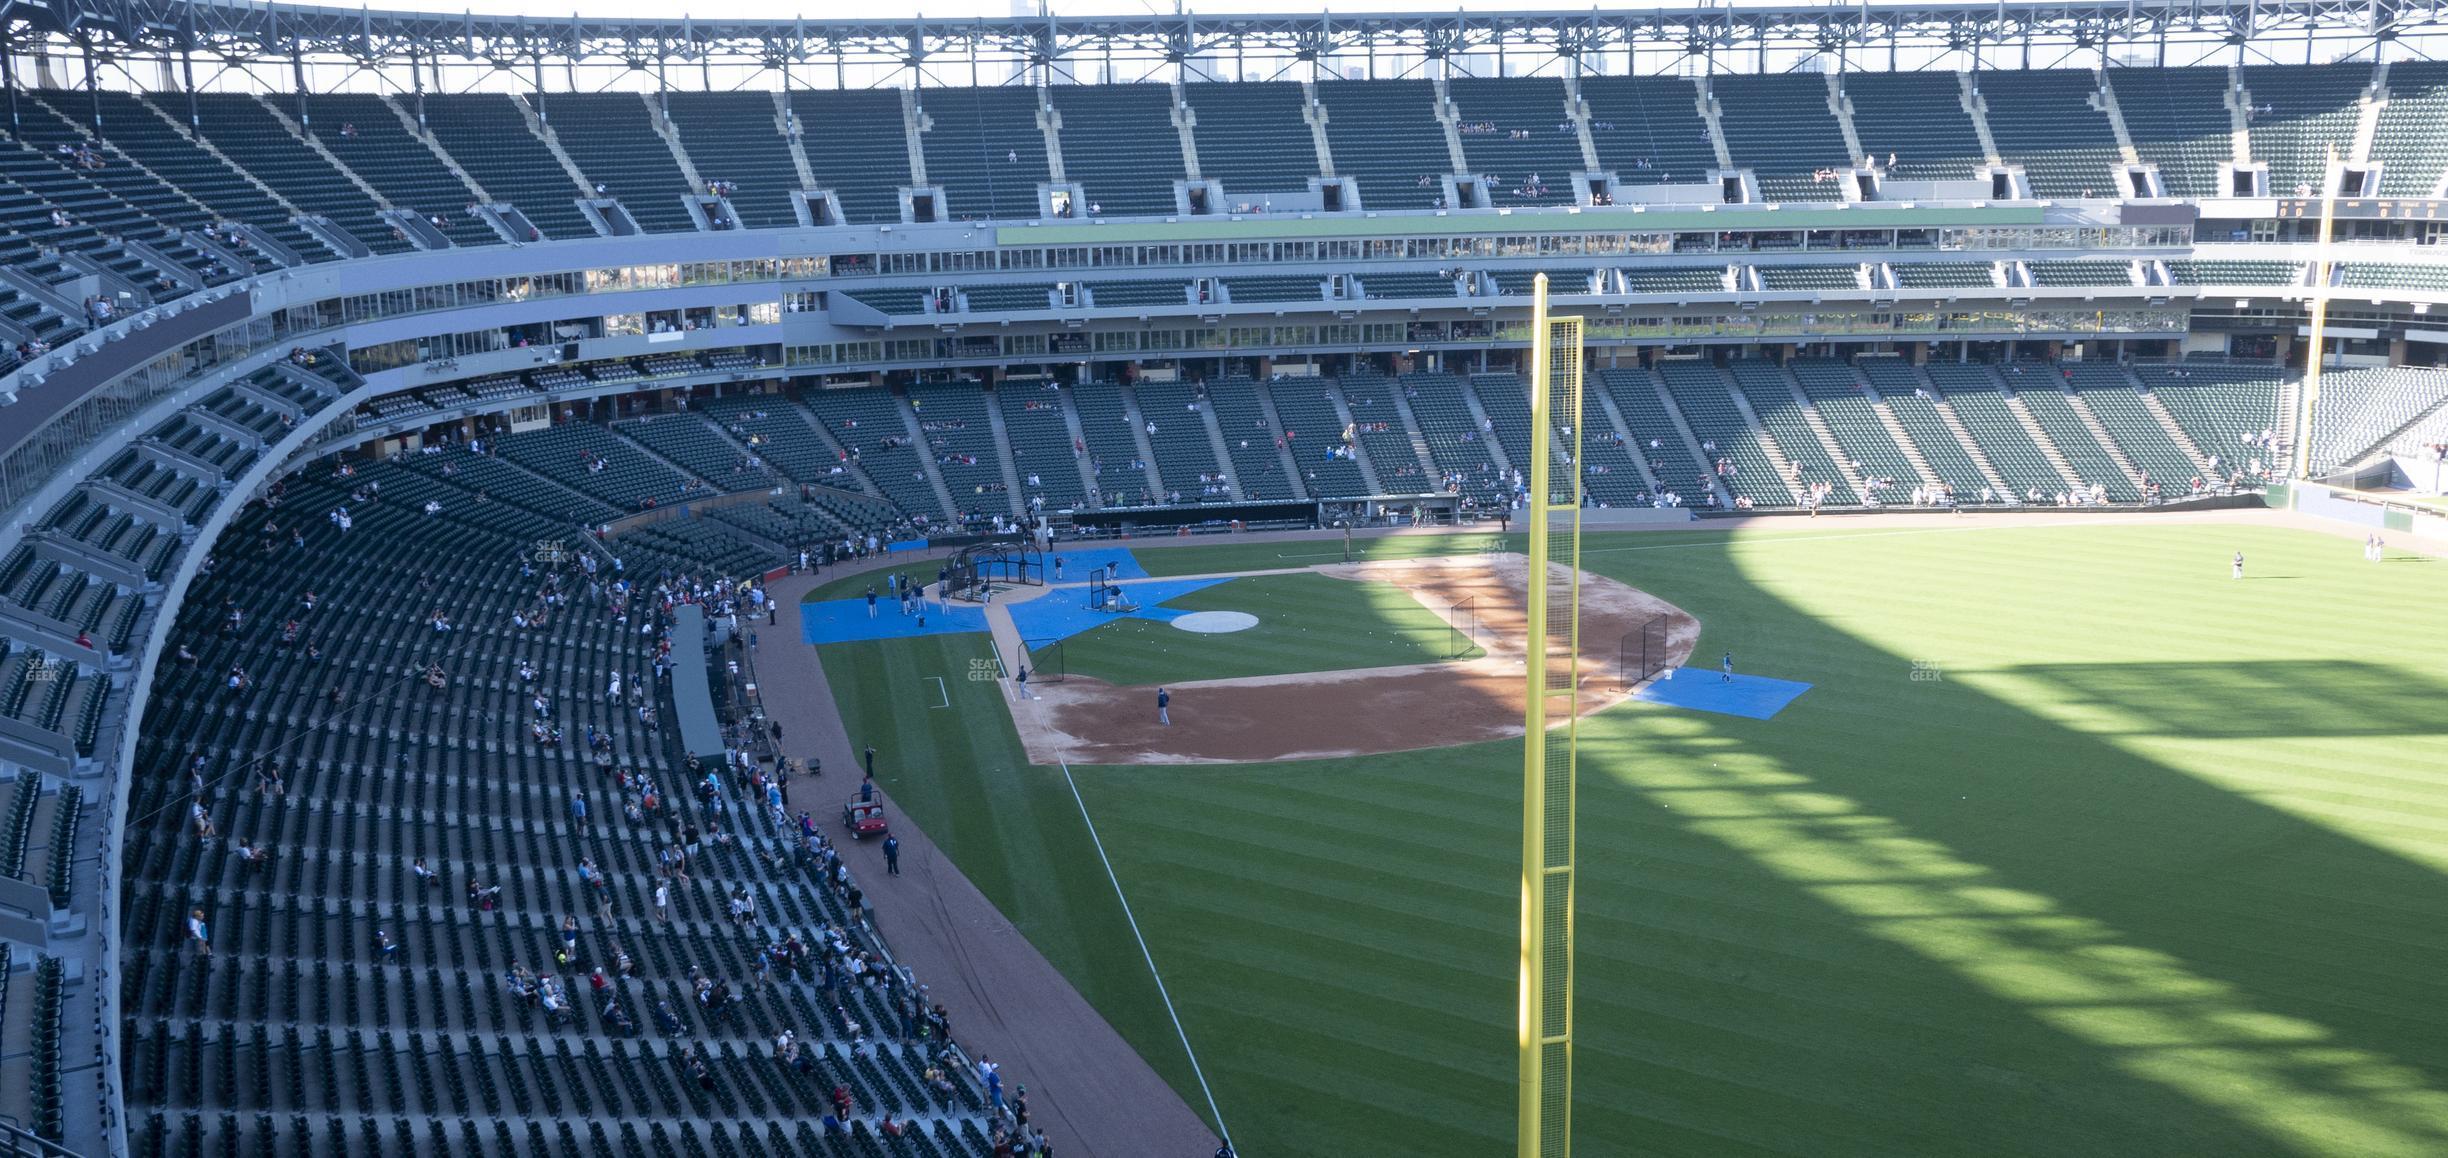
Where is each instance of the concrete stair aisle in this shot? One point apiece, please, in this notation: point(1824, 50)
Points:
point(1275, 426)
point(1360, 456)
point(1139, 438)
point(1079, 458)
point(1495, 446)
point(1963, 435)
point(1827, 441)
point(1767, 442)
point(1623, 430)
point(2040, 438)
point(798, 148)
point(1223, 453)
point(1411, 426)
point(671, 139)
point(1903, 441)
point(1976, 106)
point(2099, 434)
point(858, 471)
point(773, 476)
point(639, 445)
point(552, 144)
point(2167, 422)
point(1003, 458)
point(197, 139)
point(926, 459)
point(1691, 441)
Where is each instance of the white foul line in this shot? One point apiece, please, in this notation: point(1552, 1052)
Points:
point(1150, 958)
point(941, 690)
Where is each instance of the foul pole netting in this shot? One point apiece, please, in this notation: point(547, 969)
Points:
point(1549, 754)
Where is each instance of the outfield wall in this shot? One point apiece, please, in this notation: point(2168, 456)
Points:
point(2362, 510)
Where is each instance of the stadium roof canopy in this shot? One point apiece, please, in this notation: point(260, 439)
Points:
point(1055, 48)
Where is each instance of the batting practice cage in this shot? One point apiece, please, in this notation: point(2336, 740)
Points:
point(1642, 653)
point(980, 568)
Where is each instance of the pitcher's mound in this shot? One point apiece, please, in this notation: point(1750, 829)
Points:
point(1216, 622)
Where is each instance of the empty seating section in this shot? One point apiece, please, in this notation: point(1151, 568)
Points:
point(2300, 114)
point(777, 431)
point(893, 299)
point(868, 424)
point(2080, 274)
point(731, 136)
point(2178, 120)
point(132, 127)
point(1384, 437)
point(1513, 129)
point(1274, 289)
point(2041, 389)
point(136, 191)
point(1384, 134)
point(2359, 410)
point(1654, 433)
point(1257, 465)
point(1836, 392)
point(2044, 121)
point(1771, 395)
point(1917, 117)
point(1185, 455)
point(1041, 444)
point(856, 147)
point(1252, 138)
point(611, 137)
point(1124, 294)
point(1559, 281)
point(2369, 275)
point(366, 134)
point(1314, 433)
point(1973, 392)
point(1676, 279)
point(304, 1005)
point(1119, 145)
point(1810, 277)
point(1003, 297)
point(960, 438)
point(1610, 470)
point(693, 443)
point(1700, 392)
point(589, 458)
point(986, 150)
point(1780, 127)
point(31, 189)
point(2110, 395)
point(249, 134)
point(1901, 387)
point(2408, 141)
point(2193, 271)
point(488, 135)
point(1390, 285)
point(1118, 474)
point(1648, 129)
point(1945, 275)
point(2218, 404)
point(1455, 440)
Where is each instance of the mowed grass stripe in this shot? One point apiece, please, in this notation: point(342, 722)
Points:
point(1306, 622)
point(2146, 817)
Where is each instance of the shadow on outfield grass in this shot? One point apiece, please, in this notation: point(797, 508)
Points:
point(2303, 698)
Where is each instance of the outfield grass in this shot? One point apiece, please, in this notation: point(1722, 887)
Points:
point(1306, 622)
point(2076, 847)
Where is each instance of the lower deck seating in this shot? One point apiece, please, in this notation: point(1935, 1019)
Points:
point(347, 1001)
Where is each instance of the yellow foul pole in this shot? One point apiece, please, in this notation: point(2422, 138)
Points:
point(1551, 674)
point(2320, 317)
